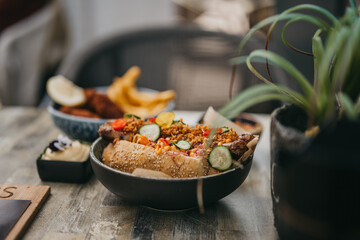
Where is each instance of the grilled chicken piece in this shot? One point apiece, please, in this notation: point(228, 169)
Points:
point(239, 147)
point(107, 132)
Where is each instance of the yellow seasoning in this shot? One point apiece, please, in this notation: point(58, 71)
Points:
point(165, 119)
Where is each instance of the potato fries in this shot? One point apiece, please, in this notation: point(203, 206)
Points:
point(123, 92)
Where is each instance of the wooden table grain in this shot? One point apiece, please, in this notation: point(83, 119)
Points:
point(90, 211)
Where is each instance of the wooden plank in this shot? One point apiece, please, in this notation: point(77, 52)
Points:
point(37, 195)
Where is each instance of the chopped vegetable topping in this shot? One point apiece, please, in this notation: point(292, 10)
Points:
point(164, 141)
point(151, 131)
point(151, 120)
point(178, 121)
point(119, 124)
point(206, 133)
point(143, 140)
point(183, 144)
point(131, 115)
point(162, 145)
point(165, 119)
point(222, 130)
point(220, 158)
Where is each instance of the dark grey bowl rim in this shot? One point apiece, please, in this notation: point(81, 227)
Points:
point(53, 111)
point(95, 160)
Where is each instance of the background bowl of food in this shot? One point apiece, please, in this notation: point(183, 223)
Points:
point(129, 163)
point(80, 112)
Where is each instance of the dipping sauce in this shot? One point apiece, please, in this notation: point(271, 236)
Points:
point(66, 150)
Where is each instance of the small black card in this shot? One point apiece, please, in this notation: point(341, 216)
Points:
point(10, 212)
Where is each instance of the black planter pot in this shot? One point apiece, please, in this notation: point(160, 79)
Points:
point(315, 182)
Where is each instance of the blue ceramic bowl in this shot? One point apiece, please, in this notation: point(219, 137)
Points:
point(83, 128)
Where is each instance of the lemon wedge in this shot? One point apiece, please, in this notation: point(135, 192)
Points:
point(64, 92)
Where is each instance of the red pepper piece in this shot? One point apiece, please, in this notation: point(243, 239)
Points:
point(164, 141)
point(151, 119)
point(206, 133)
point(219, 131)
point(119, 124)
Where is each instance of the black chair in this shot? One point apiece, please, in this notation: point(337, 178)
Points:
point(193, 62)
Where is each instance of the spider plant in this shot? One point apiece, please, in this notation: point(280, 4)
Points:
point(335, 49)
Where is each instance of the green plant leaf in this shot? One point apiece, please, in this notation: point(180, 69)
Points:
point(324, 27)
point(325, 91)
point(318, 52)
point(357, 106)
point(315, 8)
point(281, 62)
point(344, 55)
point(336, 70)
point(254, 95)
point(347, 106)
point(262, 24)
point(350, 78)
point(353, 5)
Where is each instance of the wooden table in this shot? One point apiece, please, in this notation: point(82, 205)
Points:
point(90, 211)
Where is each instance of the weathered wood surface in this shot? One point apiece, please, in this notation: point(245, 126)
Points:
point(90, 211)
point(37, 195)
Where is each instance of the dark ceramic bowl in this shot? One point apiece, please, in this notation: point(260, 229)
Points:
point(64, 171)
point(165, 194)
point(82, 128)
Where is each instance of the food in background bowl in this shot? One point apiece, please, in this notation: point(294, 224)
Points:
point(96, 105)
point(76, 101)
point(122, 96)
point(79, 112)
point(124, 93)
point(64, 92)
point(172, 147)
point(84, 128)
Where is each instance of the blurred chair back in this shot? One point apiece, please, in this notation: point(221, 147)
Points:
point(193, 62)
point(30, 50)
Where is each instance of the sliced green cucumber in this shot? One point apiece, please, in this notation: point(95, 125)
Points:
point(224, 130)
point(151, 131)
point(131, 115)
point(220, 158)
point(183, 144)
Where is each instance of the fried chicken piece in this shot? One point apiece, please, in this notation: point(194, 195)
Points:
point(80, 112)
point(101, 104)
point(239, 146)
point(107, 132)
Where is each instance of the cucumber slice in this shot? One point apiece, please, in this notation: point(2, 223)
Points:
point(220, 158)
point(131, 115)
point(151, 131)
point(183, 144)
point(224, 130)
